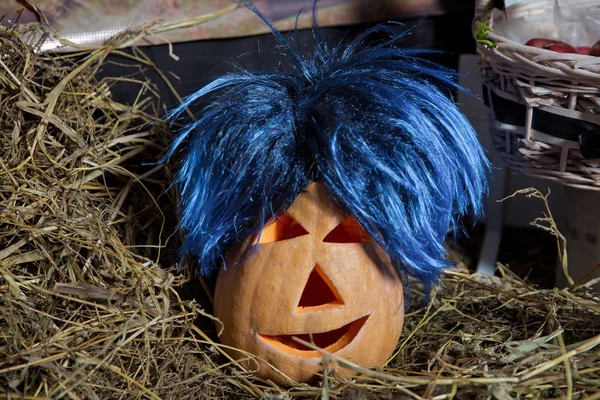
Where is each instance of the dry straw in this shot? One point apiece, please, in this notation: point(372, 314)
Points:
point(91, 308)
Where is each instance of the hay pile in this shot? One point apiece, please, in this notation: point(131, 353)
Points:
point(91, 305)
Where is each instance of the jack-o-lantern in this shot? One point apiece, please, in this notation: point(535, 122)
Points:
point(374, 124)
point(318, 276)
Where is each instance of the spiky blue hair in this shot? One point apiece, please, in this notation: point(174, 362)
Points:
point(375, 123)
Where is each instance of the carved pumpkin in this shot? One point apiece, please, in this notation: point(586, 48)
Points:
point(318, 276)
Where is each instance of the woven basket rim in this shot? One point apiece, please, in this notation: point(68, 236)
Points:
point(560, 83)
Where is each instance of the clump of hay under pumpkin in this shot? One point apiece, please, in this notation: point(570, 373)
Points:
point(91, 305)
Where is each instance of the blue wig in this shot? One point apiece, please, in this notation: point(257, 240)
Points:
point(375, 123)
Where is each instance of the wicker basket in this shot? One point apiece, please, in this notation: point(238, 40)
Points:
point(544, 106)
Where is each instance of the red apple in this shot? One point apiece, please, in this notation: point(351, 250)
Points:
point(561, 47)
point(540, 42)
point(595, 50)
point(552, 44)
point(583, 49)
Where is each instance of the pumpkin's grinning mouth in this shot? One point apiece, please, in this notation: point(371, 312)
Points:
point(330, 341)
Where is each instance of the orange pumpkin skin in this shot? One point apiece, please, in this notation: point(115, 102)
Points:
point(259, 302)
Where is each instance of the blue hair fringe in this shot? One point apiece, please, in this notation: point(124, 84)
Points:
point(376, 123)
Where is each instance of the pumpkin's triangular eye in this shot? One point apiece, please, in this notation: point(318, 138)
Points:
point(319, 293)
point(348, 231)
point(283, 228)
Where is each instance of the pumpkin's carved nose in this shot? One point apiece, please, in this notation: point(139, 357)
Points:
point(319, 293)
